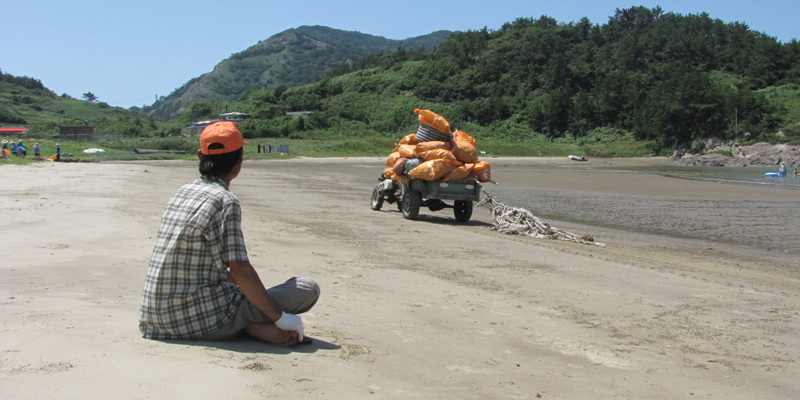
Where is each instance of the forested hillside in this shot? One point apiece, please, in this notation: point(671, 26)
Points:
point(291, 58)
point(17, 93)
point(644, 75)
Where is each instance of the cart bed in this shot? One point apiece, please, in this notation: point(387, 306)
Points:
point(452, 190)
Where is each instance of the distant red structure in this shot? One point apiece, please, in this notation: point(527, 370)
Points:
point(13, 131)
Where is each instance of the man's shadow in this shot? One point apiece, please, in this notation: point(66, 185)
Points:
point(247, 344)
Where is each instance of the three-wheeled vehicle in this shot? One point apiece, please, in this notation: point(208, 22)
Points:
point(422, 193)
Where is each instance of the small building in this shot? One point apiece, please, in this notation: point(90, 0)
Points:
point(13, 131)
point(84, 132)
point(197, 127)
point(297, 114)
point(234, 116)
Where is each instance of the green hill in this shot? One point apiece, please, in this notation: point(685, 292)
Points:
point(25, 101)
point(291, 58)
point(646, 75)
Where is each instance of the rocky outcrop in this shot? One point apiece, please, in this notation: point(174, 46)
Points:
point(703, 146)
point(717, 153)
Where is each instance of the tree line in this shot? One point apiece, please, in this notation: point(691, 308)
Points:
point(21, 81)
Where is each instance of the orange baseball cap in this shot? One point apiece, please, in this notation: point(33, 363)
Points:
point(221, 137)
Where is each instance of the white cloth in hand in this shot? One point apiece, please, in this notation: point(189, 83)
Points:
point(291, 322)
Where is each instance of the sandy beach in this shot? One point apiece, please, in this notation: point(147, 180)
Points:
point(682, 309)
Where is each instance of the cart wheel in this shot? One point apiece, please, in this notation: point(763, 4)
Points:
point(411, 203)
point(377, 199)
point(462, 210)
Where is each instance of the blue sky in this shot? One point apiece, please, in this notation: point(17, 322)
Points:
point(129, 52)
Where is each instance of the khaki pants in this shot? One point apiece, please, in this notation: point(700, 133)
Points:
point(295, 296)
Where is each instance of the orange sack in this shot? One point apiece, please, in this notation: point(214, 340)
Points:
point(409, 139)
point(392, 159)
point(388, 173)
point(436, 154)
point(405, 150)
point(483, 171)
point(458, 174)
point(435, 121)
point(464, 147)
point(435, 145)
point(461, 135)
point(431, 170)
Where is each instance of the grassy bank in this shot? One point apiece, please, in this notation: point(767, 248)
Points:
point(123, 149)
point(383, 147)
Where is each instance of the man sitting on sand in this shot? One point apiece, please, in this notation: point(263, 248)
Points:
point(200, 284)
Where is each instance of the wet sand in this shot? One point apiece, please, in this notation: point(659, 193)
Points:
point(615, 194)
point(425, 309)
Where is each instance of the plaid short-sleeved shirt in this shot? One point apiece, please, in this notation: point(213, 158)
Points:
point(186, 294)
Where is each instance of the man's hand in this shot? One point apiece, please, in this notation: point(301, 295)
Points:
point(231, 279)
point(246, 277)
point(291, 322)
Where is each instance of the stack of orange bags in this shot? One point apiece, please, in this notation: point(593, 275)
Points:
point(450, 161)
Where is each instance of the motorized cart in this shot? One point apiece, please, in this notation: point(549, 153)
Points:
point(423, 193)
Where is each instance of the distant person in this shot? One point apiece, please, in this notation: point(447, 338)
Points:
point(36, 153)
point(58, 152)
point(23, 152)
point(200, 283)
point(782, 170)
point(14, 149)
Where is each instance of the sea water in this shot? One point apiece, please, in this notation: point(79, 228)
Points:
point(763, 224)
point(742, 175)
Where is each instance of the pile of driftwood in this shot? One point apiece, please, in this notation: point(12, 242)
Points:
point(519, 221)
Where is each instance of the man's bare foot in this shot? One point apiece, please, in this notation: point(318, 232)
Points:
point(272, 334)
